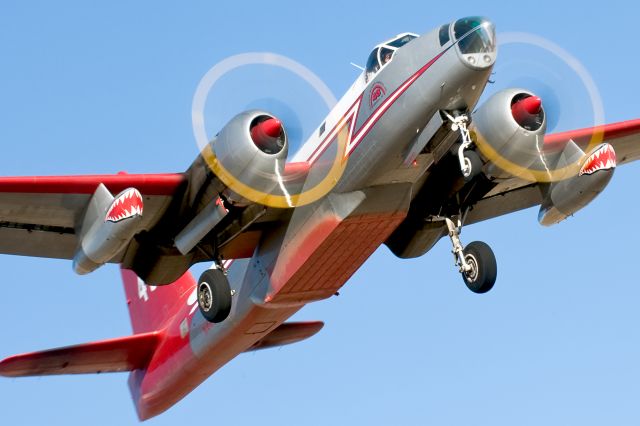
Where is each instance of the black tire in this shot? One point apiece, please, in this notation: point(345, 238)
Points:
point(485, 270)
point(214, 295)
point(473, 160)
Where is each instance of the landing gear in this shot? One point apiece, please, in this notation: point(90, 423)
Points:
point(214, 295)
point(476, 262)
point(473, 165)
point(483, 269)
point(470, 161)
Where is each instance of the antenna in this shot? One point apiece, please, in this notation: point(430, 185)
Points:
point(357, 66)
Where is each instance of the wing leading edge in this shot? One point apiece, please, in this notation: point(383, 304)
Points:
point(40, 215)
point(518, 194)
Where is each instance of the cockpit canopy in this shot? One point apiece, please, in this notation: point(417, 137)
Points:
point(384, 52)
point(475, 34)
point(475, 38)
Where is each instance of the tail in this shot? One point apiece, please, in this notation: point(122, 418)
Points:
point(151, 307)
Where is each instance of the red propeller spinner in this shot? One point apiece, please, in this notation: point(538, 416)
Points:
point(264, 132)
point(525, 108)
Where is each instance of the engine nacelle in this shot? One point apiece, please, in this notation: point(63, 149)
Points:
point(249, 152)
point(108, 227)
point(509, 131)
point(566, 197)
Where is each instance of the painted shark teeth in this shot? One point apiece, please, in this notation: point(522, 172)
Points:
point(603, 158)
point(127, 204)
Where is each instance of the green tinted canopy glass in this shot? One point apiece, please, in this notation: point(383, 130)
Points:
point(464, 25)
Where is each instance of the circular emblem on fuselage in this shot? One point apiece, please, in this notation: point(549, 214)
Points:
point(377, 92)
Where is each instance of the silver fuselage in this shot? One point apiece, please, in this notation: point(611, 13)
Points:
point(300, 261)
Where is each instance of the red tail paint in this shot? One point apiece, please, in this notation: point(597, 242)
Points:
point(151, 307)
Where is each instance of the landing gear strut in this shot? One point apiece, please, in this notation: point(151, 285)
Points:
point(476, 262)
point(470, 162)
point(214, 295)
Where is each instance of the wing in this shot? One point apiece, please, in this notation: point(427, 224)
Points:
point(624, 136)
point(516, 194)
point(48, 217)
point(40, 216)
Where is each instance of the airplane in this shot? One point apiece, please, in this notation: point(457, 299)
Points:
point(405, 158)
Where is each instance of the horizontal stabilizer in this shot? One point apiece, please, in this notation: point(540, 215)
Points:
point(105, 356)
point(287, 333)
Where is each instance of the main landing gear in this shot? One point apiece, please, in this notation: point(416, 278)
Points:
point(476, 262)
point(214, 295)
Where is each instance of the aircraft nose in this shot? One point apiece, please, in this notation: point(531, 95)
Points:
point(475, 38)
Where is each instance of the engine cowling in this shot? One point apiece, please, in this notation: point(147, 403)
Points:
point(509, 131)
point(566, 197)
point(109, 225)
point(249, 152)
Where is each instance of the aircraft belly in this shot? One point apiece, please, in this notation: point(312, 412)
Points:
point(331, 247)
point(339, 254)
point(310, 259)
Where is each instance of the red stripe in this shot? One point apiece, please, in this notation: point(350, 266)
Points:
point(582, 136)
point(353, 135)
point(415, 77)
point(324, 145)
point(147, 184)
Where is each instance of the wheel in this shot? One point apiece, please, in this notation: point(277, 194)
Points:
point(214, 295)
point(472, 161)
point(482, 276)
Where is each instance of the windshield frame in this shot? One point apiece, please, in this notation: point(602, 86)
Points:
point(372, 69)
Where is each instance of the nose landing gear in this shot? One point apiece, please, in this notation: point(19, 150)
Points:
point(470, 162)
point(476, 262)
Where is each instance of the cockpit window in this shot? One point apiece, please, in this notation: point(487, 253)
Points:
point(444, 34)
point(373, 65)
point(475, 35)
point(384, 52)
point(463, 26)
point(385, 55)
point(399, 42)
point(378, 58)
point(478, 42)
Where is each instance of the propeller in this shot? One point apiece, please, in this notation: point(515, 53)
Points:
point(549, 99)
point(557, 90)
point(265, 133)
point(528, 112)
point(298, 125)
point(293, 101)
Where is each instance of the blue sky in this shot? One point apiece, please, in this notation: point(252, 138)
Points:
point(99, 89)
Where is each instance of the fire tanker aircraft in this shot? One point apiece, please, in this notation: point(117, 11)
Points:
point(405, 158)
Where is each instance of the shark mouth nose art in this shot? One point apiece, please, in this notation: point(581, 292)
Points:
point(603, 158)
point(127, 204)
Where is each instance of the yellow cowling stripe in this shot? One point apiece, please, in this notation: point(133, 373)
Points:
point(543, 176)
point(281, 201)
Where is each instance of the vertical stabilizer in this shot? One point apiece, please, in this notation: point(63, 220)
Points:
point(151, 306)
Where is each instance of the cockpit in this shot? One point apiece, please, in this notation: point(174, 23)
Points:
point(383, 53)
point(475, 40)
